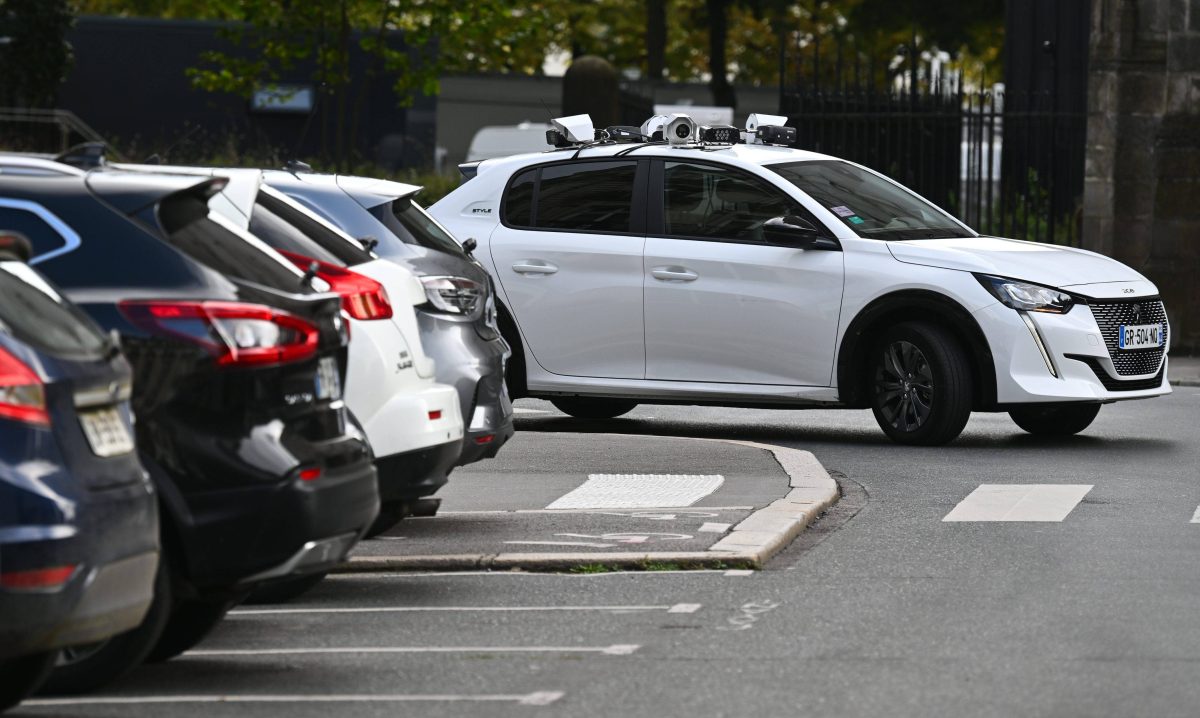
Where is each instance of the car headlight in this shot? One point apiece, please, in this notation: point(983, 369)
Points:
point(1027, 297)
point(454, 295)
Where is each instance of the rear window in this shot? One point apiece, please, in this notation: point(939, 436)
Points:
point(296, 231)
point(408, 221)
point(573, 197)
point(35, 313)
point(272, 229)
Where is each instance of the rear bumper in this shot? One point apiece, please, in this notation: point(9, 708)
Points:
point(114, 542)
point(416, 474)
point(248, 535)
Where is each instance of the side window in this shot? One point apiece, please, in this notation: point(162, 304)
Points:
point(573, 197)
point(711, 202)
point(42, 236)
point(518, 202)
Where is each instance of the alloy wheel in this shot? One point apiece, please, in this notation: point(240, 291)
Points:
point(904, 385)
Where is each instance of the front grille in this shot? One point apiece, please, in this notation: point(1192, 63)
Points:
point(1118, 384)
point(1110, 316)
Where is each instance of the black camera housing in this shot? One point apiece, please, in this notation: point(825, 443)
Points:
point(719, 135)
point(776, 135)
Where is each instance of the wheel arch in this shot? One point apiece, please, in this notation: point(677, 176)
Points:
point(910, 305)
point(515, 375)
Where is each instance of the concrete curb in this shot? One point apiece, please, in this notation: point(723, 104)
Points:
point(1185, 382)
point(750, 544)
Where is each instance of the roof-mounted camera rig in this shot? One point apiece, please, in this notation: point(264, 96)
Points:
point(677, 130)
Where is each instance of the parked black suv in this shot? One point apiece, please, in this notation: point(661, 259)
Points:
point(261, 474)
point(78, 517)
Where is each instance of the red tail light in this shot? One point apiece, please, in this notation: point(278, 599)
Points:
point(362, 297)
point(237, 335)
point(310, 473)
point(22, 394)
point(435, 415)
point(44, 579)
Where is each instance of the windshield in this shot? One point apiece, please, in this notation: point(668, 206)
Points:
point(872, 206)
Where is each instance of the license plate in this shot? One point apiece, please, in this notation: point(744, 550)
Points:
point(106, 432)
point(329, 381)
point(1140, 336)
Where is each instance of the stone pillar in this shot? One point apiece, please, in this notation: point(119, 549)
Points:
point(1142, 178)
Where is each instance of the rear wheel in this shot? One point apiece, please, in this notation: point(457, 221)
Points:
point(81, 669)
point(22, 675)
point(190, 621)
point(921, 385)
point(589, 408)
point(284, 591)
point(1055, 419)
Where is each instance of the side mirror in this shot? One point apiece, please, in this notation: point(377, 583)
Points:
point(793, 231)
point(469, 245)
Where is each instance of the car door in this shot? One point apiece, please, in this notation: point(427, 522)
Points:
point(568, 257)
point(722, 304)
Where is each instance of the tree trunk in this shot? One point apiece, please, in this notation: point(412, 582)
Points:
point(718, 30)
point(656, 39)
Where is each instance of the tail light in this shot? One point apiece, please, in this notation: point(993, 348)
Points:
point(454, 295)
point(22, 394)
point(362, 297)
point(237, 335)
point(43, 579)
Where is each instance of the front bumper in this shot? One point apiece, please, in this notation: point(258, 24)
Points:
point(1075, 350)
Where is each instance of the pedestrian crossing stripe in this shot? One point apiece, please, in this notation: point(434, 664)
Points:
point(1019, 502)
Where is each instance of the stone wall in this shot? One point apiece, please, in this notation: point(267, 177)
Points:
point(1142, 179)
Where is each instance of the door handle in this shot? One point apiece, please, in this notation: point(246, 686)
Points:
point(533, 266)
point(674, 274)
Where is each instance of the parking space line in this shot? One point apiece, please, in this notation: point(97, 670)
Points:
point(1019, 502)
point(614, 650)
point(524, 410)
point(684, 608)
point(539, 698)
point(1196, 516)
point(714, 527)
point(597, 511)
point(455, 609)
point(739, 572)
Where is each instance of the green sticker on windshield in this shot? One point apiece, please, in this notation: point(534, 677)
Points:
point(856, 220)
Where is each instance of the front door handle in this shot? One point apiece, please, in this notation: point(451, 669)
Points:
point(533, 266)
point(674, 274)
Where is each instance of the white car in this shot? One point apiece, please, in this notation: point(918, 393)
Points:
point(414, 424)
point(759, 275)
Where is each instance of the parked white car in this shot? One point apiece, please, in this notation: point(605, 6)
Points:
point(751, 274)
point(413, 423)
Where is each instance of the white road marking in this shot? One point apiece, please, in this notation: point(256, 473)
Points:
point(540, 698)
point(1196, 516)
point(585, 544)
point(656, 513)
point(1019, 502)
point(523, 410)
point(614, 650)
point(677, 608)
point(739, 572)
point(712, 527)
point(373, 576)
point(638, 491)
point(632, 538)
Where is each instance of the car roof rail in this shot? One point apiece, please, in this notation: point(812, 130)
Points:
point(32, 165)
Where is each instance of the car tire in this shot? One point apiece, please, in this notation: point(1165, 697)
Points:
point(1055, 419)
point(83, 669)
point(921, 384)
point(22, 676)
point(284, 591)
point(190, 621)
point(589, 408)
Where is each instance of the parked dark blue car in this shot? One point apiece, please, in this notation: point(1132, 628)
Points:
point(78, 517)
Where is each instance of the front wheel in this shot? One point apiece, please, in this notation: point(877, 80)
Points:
point(20, 676)
point(593, 408)
point(1055, 419)
point(921, 385)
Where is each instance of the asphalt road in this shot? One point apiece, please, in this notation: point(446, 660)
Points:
point(882, 608)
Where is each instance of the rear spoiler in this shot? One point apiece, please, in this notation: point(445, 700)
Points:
point(132, 192)
point(469, 169)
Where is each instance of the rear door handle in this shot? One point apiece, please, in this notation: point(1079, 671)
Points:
point(533, 266)
point(674, 274)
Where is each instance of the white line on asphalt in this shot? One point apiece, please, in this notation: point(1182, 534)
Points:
point(739, 572)
point(595, 512)
point(458, 609)
point(561, 543)
point(1196, 516)
point(523, 410)
point(614, 650)
point(540, 698)
point(635, 491)
point(712, 527)
point(1019, 502)
point(373, 576)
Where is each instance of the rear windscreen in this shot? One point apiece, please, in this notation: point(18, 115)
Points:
point(284, 227)
point(412, 225)
point(36, 314)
